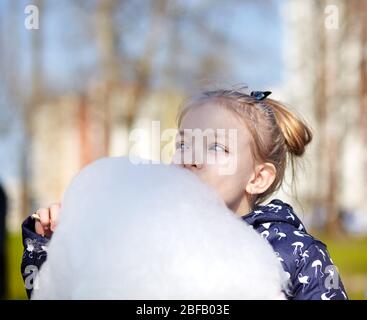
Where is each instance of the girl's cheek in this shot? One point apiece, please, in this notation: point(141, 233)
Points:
point(223, 158)
point(216, 159)
point(227, 165)
point(212, 158)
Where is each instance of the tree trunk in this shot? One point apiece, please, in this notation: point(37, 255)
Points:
point(29, 112)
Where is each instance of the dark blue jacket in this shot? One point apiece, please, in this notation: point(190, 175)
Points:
point(311, 271)
point(34, 254)
point(312, 274)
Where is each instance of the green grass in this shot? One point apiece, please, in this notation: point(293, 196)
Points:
point(348, 254)
point(14, 248)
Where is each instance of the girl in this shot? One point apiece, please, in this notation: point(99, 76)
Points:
point(267, 134)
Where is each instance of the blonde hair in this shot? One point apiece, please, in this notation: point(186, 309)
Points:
point(278, 135)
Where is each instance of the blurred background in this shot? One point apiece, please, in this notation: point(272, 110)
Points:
point(77, 76)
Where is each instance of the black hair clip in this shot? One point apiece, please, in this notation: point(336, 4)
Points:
point(260, 95)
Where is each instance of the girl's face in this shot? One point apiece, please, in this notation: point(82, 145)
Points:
point(222, 158)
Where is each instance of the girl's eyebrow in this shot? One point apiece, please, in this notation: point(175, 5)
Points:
point(222, 135)
point(182, 133)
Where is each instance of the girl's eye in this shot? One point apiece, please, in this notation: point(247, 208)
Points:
point(181, 145)
point(218, 148)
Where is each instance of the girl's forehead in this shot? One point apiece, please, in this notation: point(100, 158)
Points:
point(208, 118)
point(210, 115)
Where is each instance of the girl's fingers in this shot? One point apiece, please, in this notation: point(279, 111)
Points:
point(48, 220)
point(54, 214)
point(44, 214)
point(39, 229)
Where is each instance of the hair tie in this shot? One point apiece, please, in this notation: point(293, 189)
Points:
point(260, 95)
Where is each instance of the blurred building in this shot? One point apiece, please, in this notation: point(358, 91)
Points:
point(73, 130)
point(324, 54)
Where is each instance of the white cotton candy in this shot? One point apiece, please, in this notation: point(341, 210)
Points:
point(153, 231)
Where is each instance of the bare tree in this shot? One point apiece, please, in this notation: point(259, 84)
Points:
point(333, 120)
point(360, 12)
point(30, 105)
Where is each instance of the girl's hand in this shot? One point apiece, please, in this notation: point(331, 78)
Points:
point(47, 220)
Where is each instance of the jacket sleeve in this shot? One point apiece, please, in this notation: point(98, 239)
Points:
point(317, 277)
point(34, 254)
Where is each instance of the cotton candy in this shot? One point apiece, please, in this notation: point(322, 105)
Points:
point(153, 231)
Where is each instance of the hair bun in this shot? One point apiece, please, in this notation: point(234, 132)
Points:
point(296, 133)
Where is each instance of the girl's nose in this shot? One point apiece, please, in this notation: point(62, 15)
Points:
point(178, 160)
point(193, 166)
point(189, 166)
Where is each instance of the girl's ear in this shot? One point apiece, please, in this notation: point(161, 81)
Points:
point(262, 178)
